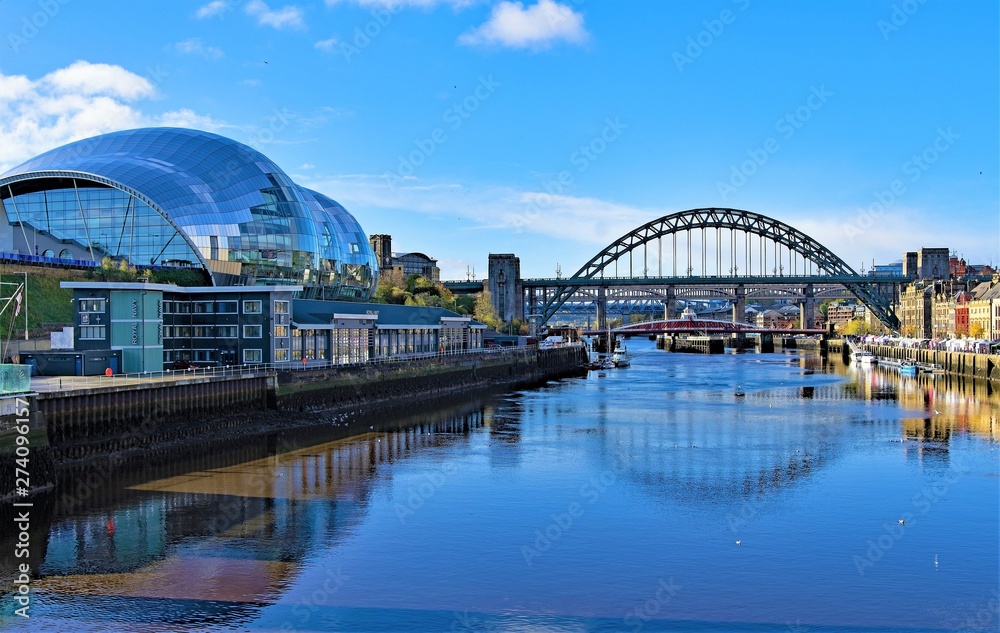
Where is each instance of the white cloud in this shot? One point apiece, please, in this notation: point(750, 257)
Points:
point(251, 83)
point(76, 102)
point(588, 221)
point(287, 17)
point(402, 4)
point(327, 46)
point(213, 8)
point(536, 27)
point(194, 46)
point(84, 78)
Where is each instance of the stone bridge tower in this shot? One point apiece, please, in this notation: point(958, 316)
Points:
point(505, 286)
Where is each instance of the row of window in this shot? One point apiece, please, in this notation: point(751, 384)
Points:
point(219, 331)
point(92, 333)
point(250, 306)
point(209, 355)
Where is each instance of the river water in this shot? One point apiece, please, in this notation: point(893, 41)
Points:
point(651, 498)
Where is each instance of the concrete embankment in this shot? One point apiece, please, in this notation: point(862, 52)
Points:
point(986, 366)
point(423, 379)
point(983, 366)
point(107, 426)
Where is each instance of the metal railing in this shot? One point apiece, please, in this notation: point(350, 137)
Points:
point(54, 383)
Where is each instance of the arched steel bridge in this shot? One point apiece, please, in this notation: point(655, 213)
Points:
point(732, 250)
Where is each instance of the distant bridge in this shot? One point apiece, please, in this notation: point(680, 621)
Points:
point(697, 326)
point(726, 254)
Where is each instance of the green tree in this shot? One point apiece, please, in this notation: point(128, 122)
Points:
point(485, 312)
point(391, 287)
point(855, 327)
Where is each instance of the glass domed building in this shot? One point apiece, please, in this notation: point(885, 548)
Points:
point(174, 197)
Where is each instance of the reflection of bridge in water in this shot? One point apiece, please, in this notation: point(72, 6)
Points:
point(700, 254)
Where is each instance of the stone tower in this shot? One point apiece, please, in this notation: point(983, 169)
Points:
point(382, 245)
point(505, 286)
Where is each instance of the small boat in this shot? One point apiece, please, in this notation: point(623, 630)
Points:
point(620, 357)
point(864, 358)
point(908, 368)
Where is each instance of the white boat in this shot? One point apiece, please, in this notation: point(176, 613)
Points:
point(620, 357)
point(864, 358)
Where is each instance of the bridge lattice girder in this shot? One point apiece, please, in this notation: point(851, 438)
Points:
point(736, 220)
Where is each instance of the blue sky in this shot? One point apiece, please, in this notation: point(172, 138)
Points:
point(549, 128)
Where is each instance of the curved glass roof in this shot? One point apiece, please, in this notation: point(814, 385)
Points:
point(233, 203)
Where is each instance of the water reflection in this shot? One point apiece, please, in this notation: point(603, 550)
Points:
point(425, 514)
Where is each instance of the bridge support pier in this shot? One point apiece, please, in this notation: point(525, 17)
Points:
point(602, 308)
point(670, 303)
point(740, 305)
point(807, 309)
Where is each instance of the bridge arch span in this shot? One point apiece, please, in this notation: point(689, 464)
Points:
point(777, 243)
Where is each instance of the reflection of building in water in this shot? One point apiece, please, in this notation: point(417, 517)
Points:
point(942, 404)
point(250, 524)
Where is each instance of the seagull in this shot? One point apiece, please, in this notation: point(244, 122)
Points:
point(740, 543)
point(902, 522)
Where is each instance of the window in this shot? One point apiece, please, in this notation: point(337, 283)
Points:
point(281, 307)
point(252, 356)
point(280, 355)
point(182, 307)
point(251, 307)
point(227, 331)
point(204, 307)
point(65, 254)
point(92, 333)
point(252, 331)
point(203, 331)
point(281, 331)
point(92, 305)
point(225, 307)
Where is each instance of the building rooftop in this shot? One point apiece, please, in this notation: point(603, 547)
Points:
point(135, 285)
point(306, 313)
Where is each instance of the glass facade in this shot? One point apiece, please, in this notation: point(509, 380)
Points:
point(185, 198)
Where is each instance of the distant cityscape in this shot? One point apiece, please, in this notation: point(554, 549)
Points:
point(948, 298)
